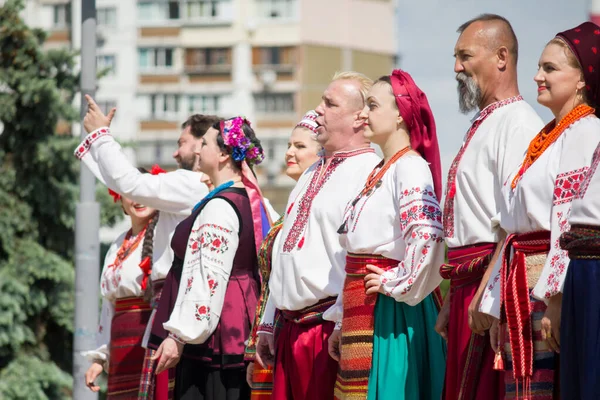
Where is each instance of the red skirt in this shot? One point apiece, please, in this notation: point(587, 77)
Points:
point(126, 359)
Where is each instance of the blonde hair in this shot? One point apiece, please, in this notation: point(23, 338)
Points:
point(365, 83)
point(571, 58)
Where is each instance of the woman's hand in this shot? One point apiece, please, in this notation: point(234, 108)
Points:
point(373, 280)
point(91, 374)
point(168, 354)
point(551, 323)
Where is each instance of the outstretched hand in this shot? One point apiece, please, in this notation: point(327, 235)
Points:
point(95, 118)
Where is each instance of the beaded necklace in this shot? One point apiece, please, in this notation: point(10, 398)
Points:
point(374, 181)
point(547, 136)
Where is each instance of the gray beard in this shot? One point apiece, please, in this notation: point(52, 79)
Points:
point(469, 94)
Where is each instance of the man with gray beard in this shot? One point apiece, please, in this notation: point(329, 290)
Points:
point(486, 71)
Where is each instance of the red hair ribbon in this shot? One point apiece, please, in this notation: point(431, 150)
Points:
point(156, 170)
point(146, 266)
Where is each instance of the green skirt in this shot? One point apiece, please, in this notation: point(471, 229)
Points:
point(409, 357)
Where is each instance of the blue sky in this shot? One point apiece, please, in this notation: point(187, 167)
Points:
point(427, 35)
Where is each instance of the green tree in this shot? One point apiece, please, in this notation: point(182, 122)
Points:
point(38, 194)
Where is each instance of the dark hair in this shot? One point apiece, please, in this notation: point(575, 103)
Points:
point(148, 245)
point(248, 132)
point(513, 43)
point(199, 124)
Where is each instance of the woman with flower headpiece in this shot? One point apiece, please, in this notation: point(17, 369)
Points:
point(388, 347)
point(525, 288)
point(216, 255)
point(303, 151)
point(124, 286)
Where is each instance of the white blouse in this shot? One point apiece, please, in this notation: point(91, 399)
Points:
point(496, 149)
point(308, 260)
point(585, 209)
point(542, 201)
point(116, 282)
point(401, 220)
point(208, 262)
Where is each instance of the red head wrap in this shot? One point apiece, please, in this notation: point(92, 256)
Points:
point(414, 109)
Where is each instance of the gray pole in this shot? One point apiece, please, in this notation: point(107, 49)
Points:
point(87, 223)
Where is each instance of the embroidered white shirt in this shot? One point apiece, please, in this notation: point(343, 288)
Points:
point(542, 201)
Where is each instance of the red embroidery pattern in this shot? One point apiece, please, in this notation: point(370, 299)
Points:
point(189, 284)
point(216, 227)
point(214, 242)
point(419, 210)
point(434, 237)
point(212, 285)
point(589, 174)
point(567, 185)
point(559, 260)
point(84, 147)
point(305, 204)
point(451, 183)
point(202, 312)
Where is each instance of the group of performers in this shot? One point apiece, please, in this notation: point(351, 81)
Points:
point(212, 295)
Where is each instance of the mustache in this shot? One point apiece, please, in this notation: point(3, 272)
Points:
point(469, 93)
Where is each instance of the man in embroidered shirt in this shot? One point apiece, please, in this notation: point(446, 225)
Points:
point(308, 261)
point(486, 71)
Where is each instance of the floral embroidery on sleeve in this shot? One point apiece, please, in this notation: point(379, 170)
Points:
point(202, 312)
point(189, 284)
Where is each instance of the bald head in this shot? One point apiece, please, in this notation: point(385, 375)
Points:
point(494, 32)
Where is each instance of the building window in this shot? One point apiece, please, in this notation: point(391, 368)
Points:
point(107, 61)
point(106, 105)
point(157, 10)
point(205, 9)
point(208, 60)
point(155, 58)
point(107, 16)
point(279, 103)
point(61, 16)
point(165, 106)
point(277, 58)
point(204, 104)
point(277, 9)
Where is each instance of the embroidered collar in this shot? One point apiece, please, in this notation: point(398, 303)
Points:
point(490, 108)
point(350, 153)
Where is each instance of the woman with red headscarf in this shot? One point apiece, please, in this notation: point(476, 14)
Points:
point(525, 288)
point(393, 234)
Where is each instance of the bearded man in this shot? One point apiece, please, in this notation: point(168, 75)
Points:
point(486, 71)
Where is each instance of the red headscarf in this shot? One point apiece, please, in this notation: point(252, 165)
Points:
point(584, 42)
point(414, 109)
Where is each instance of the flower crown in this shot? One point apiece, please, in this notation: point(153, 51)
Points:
point(241, 147)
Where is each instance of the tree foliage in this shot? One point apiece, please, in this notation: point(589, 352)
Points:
point(38, 195)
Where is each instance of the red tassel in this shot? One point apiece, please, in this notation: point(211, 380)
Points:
point(301, 243)
point(498, 361)
point(146, 266)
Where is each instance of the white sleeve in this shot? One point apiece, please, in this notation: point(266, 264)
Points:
point(417, 274)
point(575, 159)
point(266, 323)
point(209, 256)
point(103, 335)
point(490, 300)
point(174, 192)
point(335, 313)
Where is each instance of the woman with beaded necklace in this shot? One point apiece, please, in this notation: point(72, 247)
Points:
point(525, 287)
point(216, 256)
point(392, 232)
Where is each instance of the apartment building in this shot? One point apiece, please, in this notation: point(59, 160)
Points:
point(268, 60)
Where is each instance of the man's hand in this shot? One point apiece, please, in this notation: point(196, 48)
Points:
point(551, 323)
point(333, 345)
point(91, 374)
point(478, 322)
point(441, 325)
point(168, 354)
point(250, 373)
point(265, 350)
point(95, 118)
point(495, 335)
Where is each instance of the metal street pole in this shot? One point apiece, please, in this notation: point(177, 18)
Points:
point(87, 223)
